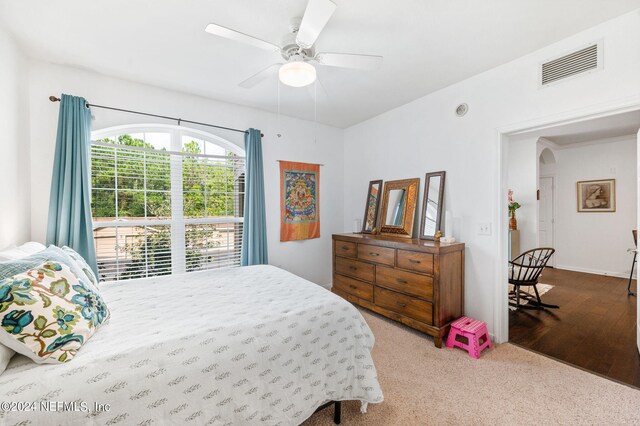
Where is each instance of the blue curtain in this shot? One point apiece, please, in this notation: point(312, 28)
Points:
point(70, 200)
point(254, 231)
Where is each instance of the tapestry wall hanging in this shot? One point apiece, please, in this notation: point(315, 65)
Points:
point(299, 201)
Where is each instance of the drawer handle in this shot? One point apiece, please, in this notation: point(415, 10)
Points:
point(401, 281)
point(402, 305)
point(374, 254)
point(353, 268)
point(344, 248)
point(414, 261)
point(353, 286)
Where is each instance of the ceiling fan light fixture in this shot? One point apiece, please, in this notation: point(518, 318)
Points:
point(297, 74)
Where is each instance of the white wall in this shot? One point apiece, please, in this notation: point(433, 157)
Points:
point(596, 242)
point(301, 141)
point(14, 145)
point(522, 179)
point(523, 171)
point(587, 242)
point(547, 165)
point(425, 135)
point(408, 141)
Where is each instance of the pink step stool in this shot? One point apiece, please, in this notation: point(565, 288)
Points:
point(474, 331)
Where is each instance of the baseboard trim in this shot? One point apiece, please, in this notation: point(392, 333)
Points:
point(595, 271)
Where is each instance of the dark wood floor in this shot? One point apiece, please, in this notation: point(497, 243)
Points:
point(595, 327)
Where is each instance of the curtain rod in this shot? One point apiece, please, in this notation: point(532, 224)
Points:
point(179, 120)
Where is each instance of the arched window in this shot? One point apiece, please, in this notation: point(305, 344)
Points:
point(165, 200)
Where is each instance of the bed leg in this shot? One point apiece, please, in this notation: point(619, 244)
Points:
point(337, 411)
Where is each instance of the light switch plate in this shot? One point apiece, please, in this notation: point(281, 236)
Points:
point(484, 228)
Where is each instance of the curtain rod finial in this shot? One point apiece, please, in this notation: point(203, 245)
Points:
point(53, 99)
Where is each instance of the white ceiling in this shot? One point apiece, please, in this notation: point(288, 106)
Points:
point(601, 129)
point(594, 130)
point(426, 44)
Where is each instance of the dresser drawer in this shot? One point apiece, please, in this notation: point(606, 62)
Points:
point(405, 305)
point(345, 249)
point(383, 255)
point(406, 282)
point(355, 269)
point(415, 261)
point(354, 287)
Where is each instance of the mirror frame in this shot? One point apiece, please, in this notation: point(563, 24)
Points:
point(427, 177)
point(366, 207)
point(406, 229)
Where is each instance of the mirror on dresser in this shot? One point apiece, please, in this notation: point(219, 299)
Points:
point(432, 205)
point(395, 208)
point(398, 207)
point(370, 221)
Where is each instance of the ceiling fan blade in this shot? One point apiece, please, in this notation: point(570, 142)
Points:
point(227, 33)
point(314, 19)
point(348, 60)
point(260, 76)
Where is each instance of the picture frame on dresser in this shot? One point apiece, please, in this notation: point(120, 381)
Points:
point(372, 207)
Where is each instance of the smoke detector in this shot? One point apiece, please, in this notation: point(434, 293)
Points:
point(462, 109)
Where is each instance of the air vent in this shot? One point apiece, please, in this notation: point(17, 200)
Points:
point(578, 62)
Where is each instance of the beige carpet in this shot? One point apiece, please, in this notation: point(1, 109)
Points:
point(423, 385)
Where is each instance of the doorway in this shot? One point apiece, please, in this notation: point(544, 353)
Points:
point(544, 168)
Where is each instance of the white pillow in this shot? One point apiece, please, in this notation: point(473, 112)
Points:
point(87, 275)
point(14, 253)
point(5, 357)
point(32, 247)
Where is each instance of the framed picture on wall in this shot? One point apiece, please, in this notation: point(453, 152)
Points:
point(597, 196)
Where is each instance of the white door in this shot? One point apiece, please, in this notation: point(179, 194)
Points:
point(545, 214)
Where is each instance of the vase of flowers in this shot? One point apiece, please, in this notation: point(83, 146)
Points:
point(513, 206)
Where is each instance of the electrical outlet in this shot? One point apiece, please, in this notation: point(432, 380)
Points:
point(484, 228)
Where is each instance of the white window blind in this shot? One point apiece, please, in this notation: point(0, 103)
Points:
point(165, 203)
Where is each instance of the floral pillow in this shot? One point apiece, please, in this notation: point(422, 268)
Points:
point(47, 313)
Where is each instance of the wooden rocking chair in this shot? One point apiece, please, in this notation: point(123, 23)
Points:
point(524, 272)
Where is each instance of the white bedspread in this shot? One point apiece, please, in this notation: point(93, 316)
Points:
point(253, 345)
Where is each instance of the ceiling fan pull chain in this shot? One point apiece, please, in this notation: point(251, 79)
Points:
point(315, 111)
point(279, 127)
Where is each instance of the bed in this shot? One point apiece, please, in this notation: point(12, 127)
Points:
point(252, 345)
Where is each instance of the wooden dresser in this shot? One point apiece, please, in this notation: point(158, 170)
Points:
point(418, 283)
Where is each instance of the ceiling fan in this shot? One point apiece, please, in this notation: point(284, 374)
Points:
point(298, 49)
